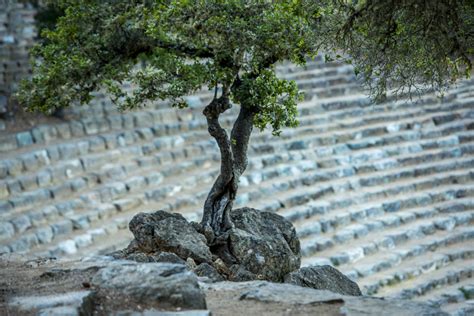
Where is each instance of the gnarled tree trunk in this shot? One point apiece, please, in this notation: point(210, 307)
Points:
point(216, 217)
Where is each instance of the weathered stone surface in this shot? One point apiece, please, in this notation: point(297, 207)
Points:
point(133, 252)
point(170, 232)
point(363, 306)
point(206, 270)
point(323, 278)
point(71, 299)
point(165, 283)
point(264, 243)
point(287, 293)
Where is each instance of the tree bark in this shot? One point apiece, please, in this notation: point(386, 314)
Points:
point(216, 216)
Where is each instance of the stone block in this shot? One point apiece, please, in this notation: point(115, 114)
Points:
point(78, 184)
point(79, 221)
point(447, 223)
point(77, 128)
point(127, 204)
point(45, 235)
point(43, 178)
point(67, 247)
point(62, 227)
point(8, 142)
point(60, 190)
point(64, 130)
point(15, 167)
point(24, 139)
point(97, 144)
point(83, 240)
point(136, 183)
point(21, 223)
point(106, 210)
point(3, 189)
point(68, 151)
point(53, 153)
point(7, 230)
point(24, 243)
point(49, 212)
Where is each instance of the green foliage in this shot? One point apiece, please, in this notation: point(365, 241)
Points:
point(168, 49)
point(408, 45)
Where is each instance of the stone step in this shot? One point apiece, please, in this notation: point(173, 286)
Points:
point(42, 157)
point(324, 248)
point(465, 308)
point(417, 257)
point(300, 192)
point(118, 197)
point(457, 293)
point(31, 160)
point(44, 194)
point(374, 238)
point(100, 108)
point(406, 261)
point(444, 276)
point(163, 202)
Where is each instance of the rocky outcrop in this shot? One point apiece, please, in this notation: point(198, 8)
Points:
point(265, 244)
point(260, 246)
point(169, 284)
point(323, 278)
point(168, 232)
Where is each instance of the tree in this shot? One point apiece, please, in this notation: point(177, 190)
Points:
point(231, 47)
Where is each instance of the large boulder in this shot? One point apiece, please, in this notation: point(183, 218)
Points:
point(264, 244)
point(169, 232)
point(169, 285)
point(323, 278)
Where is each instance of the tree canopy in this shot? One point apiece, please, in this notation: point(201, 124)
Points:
point(187, 44)
point(403, 44)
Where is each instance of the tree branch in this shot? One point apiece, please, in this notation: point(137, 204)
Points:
point(212, 112)
point(240, 137)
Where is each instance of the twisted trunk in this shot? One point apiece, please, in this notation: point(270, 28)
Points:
point(216, 216)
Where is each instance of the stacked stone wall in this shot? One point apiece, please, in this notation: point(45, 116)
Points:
point(17, 35)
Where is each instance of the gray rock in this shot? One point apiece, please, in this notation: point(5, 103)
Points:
point(170, 232)
point(21, 223)
point(289, 294)
point(169, 284)
point(6, 230)
point(264, 243)
point(363, 306)
point(59, 311)
point(133, 252)
point(24, 139)
point(323, 278)
point(71, 299)
point(206, 270)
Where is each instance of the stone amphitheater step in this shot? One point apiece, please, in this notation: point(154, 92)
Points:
point(390, 211)
point(177, 206)
point(137, 149)
point(37, 159)
point(445, 275)
point(412, 258)
point(147, 121)
point(204, 192)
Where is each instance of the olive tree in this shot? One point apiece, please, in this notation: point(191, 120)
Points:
point(169, 49)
